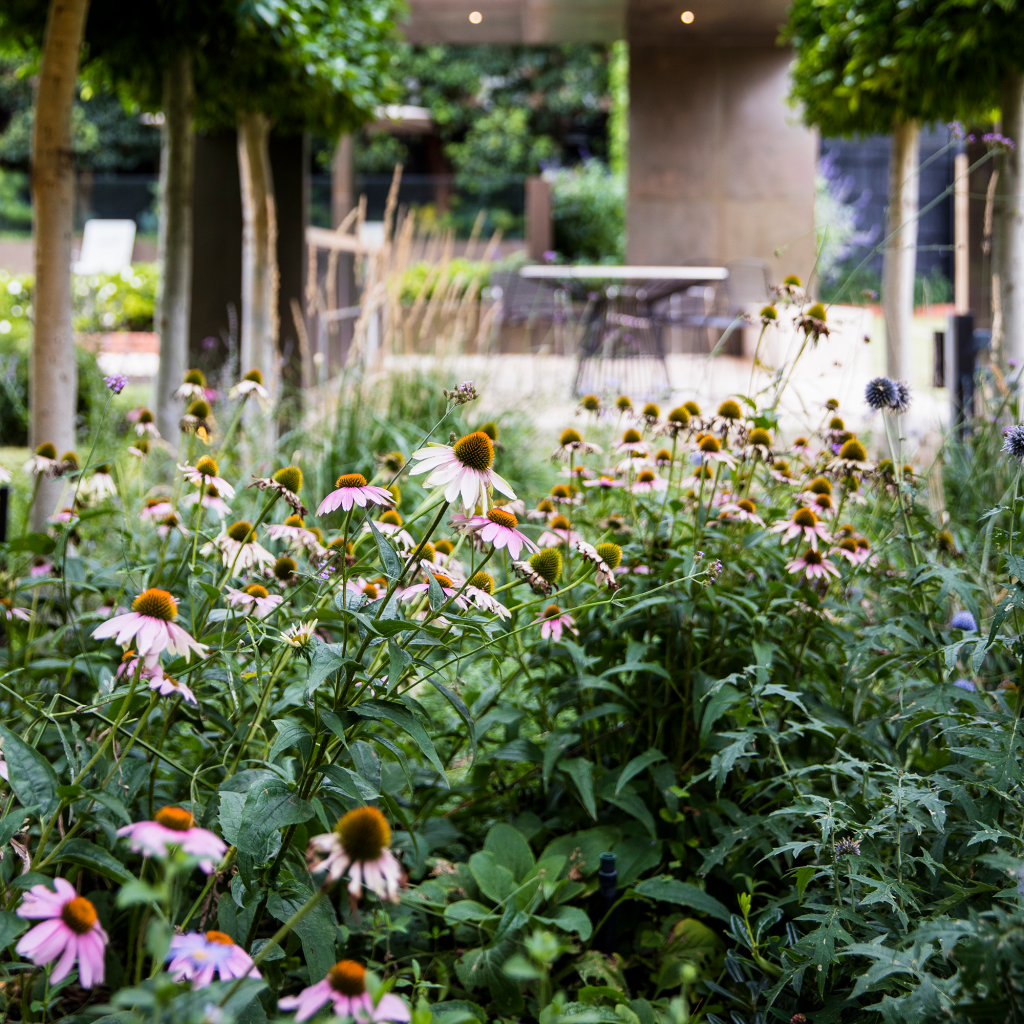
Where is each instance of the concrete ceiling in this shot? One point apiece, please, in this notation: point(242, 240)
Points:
point(594, 21)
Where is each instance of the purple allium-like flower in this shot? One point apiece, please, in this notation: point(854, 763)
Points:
point(462, 394)
point(901, 399)
point(117, 382)
point(1013, 442)
point(880, 393)
point(957, 129)
point(998, 141)
point(848, 847)
point(965, 684)
point(963, 620)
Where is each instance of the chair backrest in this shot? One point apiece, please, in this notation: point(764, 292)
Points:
point(106, 247)
point(523, 299)
point(747, 282)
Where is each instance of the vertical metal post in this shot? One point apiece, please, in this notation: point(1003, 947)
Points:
point(960, 348)
point(4, 497)
point(939, 364)
point(961, 223)
point(607, 879)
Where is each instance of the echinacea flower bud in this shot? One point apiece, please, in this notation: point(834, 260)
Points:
point(547, 563)
point(289, 477)
point(611, 553)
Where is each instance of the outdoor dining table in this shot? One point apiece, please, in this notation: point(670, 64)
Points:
point(621, 347)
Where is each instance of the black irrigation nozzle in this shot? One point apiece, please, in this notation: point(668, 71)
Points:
point(607, 882)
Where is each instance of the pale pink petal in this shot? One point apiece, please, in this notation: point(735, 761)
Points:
point(67, 960)
point(391, 1007)
point(90, 958)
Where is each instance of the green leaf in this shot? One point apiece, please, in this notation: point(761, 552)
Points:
point(391, 562)
point(460, 708)
point(581, 771)
point(496, 881)
point(11, 926)
point(637, 765)
point(717, 705)
point(33, 780)
point(435, 593)
point(571, 919)
point(269, 806)
point(350, 782)
point(231, 806)
point(317, 930)
point(467, 910)
point(327, 658)
point(290, 734)
point(398, 661)
point(671, 890)
point(140, 892)
point(402, 717)
point(89, 855)
point(510, 849)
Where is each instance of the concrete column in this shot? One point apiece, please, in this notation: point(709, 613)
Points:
point(719, 166)
point(540, 235)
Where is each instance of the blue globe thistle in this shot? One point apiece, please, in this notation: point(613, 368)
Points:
point(1013, 442)
point(880, 393)
point(901, 400)
point(965, 684)
point(963, 620)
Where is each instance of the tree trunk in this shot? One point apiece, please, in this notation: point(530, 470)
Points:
point(1008, 342)
point(177, 152)
point(259, 251)
point(54, 386)
point(900, 254)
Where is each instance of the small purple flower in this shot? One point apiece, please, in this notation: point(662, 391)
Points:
point(998, 141)
point(963, 620)
point(1013, 443)
point(117, 382)
point(957, 129)
point(965, 684)
point(848, 847)
point(550, 256)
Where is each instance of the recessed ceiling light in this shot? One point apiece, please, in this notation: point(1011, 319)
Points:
point(687, 17)
point(476, 17)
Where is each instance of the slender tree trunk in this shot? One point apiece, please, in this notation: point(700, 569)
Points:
point(177, 152)
point(1008, 270)
point(259, 251)
point(54, 386)
point(900, 255)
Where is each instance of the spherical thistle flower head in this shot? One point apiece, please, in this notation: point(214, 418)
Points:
point(880, 393)
point(1013, 442)
point(963, 620)
point(289, 477)
point(730, 410)
point(116, 382)
point(547, 563)
point(611, 553)
point(853, 451)
point(901, 399)
point(482, 581)
point(692, 408)
point(444, 546)
point(622, 403)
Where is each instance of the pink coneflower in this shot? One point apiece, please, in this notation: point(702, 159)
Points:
point(606, 559)
point(563, 494)
point(497, 527)
point(254, 600)
point(151, 622)
point(352, 489)
point(558, 532)
point(8, 611)
point(462, 469)
point(363, 588)
point(605, 482)
point(293, 530)
point(174, 826)
point(813, 565)
point(167, 687)
point(545, 510)
point(359, 846)
point(130, 665)
point(742, 511)
point(571, 443)
point(711, 451)
point(210, 498)
point(647, 482)
point(70, 930)
point(804, 523)
point(444, 582)
point(390, 524)
point(553, 621)
point(168, 523)
point(633, 444)
point(250, 384)
point(197, 956)
point(237, 546)
point(856, 550)
point(480, 592)
point(204, 473)
point(345, 989)
point(155, 509)
point(193, 386)
point(40, 567)
point(44, 461)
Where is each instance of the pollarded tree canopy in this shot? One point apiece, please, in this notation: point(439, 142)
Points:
point(862, 64)
point(318, 65)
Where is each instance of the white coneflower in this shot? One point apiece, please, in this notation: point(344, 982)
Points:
point(44, 461)
point(237, 546)
point(250, 384)
point(359, 846)
point(151, 622)
point(193, 386)
point(204, 473)
point(462, 469)
point(571, 443)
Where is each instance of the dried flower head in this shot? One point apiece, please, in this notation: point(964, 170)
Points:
point(880, 393)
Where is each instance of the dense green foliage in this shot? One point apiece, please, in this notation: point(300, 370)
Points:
point(589, 210)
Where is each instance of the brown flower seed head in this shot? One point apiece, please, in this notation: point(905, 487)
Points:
point(240, 531)
point(853, 451)
point(710, 443)
point(70, 459)
point(79, 915)
point(547, 563)
point(848, 544)
point(800, 442)
point(631, 436)
point(761, 437)
point(546, 506)
point(446, 547)
point(364, 833)
point(46, 451)
point(681, 415)
point(145, 416)
point(662, 455)
point(195, 377)
point(836, 423)
point(290, 478)
point(391, 517)
point(591, 403)
point(207, 467)
point(503, 518)
point(199, 409)
point(730, 410)
point(284, 568)
point(570, 436)
point(804, 517)
point(623, 403)
point(747, 505)
point(651, 411)
point(475, 451)
point(645, 476)
point(347, 977)
point(177, 819)
point(559, 523)
point(157, 604)
point(254, 375)
point(611, 553)
point(255, 590)
point(296, 521)
point(820, 485)
point(823, 501)
point(832, 404)
point(482, 581)
point(350, 480)
point(812, 557)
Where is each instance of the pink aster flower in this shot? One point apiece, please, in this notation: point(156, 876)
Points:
point(462, 469)
point(803, 524)
point(174, 826)
point(813, 565)
point(352, 489)
point(197, 956)
point(211, 499)
point(447, 588)
point(742, 511)
point(8, 611)
point(497, 527)
point(359, 846)
point(70, 930)
point(167, 687)
point(345, 989)
point(204, 473)
point(647, 482)
point(151, 623)
point(254, 600)
point(553, 621)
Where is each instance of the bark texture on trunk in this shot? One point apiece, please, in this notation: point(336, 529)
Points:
point(1008, 269)
point(258, 344)
point(900, 255)
point(54, 377)
point(177, 162)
